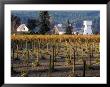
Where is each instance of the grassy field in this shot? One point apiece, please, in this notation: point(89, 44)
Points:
point(55, 55)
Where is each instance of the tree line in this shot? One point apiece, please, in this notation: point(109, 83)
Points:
point(45, 22)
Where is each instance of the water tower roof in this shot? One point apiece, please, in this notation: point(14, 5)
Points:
point(87, 22)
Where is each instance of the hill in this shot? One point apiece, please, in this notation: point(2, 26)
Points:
point(76, 17)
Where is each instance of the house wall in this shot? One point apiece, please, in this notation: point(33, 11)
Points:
point(61, 32)
point(87, 27)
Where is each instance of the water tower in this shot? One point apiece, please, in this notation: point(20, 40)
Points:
point(87, 27)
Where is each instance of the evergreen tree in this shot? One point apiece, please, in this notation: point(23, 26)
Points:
point(69, 28)
point(44, 22)
point(31, 24)
point(15, 23)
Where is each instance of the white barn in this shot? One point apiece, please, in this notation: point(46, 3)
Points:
point(22, 28)
point(57, 29)
point(87, 27)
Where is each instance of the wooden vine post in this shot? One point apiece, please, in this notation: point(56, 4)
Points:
point(53, 58)
point(74, 62)
point(55, 54)
point(70, 53)
point(27, 59)
point(84, 62)
point(66, 52)
point(50, 64)
point(17, 50)
point(13, 50)
point(12, 68)
point(47, 47)
point(38, 51)
point(84, 67)
point(91, 53)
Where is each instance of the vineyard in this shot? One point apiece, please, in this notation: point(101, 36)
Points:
point(55, 56)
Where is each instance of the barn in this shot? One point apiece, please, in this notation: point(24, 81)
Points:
point(58, 30)
point(22, 28)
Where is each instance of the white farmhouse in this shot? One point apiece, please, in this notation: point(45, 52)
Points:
point(57, 29)
point(60, 29)
point(22, 28)
point(87, 27)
